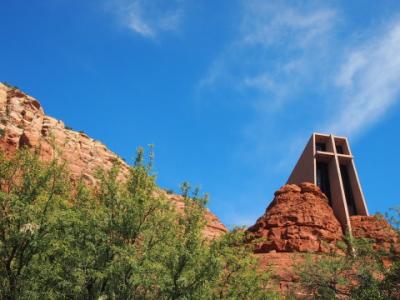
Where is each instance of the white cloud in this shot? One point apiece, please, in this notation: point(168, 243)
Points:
point(298, 70)
point(277, 47)
point(280, 52)
point(370, 79)
point(149, 18)
point(291, 65)
point(136, 21)
point(272, 24)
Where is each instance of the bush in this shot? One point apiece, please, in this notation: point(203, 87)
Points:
point(360, 274)
point(120, 240)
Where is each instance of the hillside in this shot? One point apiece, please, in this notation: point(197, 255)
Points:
point(23, 122)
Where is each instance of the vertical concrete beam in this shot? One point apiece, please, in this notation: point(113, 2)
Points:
point(358, 194)
point(339, 204)
point(314, 150)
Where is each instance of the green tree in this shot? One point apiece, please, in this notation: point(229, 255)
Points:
point(327, 275)
point(359, 274)
point(239, 275)
point(31, 195)
point(122, 239)
point(373, 287)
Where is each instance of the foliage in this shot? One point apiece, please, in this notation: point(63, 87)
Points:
point(370, 286)
point(120, 240)
point(30, 195)
point(238, 278)
point(359, 272)
point(323, 276)
point(393, 216)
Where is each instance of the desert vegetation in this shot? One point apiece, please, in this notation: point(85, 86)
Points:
point(121, 240)
point(360, 272)
point(60, 239)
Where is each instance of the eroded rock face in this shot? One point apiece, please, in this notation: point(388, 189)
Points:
point(299, 219)
point(378, 230)
point(283, 266)
point(214, 226)
point(24, 123)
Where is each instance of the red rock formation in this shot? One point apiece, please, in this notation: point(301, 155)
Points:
point(378, 230)
point(283, 266)
point(24, 123)
point(214, 226)
point(299, 219)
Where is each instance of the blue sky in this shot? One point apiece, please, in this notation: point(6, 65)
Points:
point(228, 91)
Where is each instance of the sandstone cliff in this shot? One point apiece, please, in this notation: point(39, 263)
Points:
point(377, 230)
point(299, 219)
point(24, 123)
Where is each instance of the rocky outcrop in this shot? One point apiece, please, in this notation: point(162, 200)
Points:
point(299, 219)
point(283, 266)
point(24, 123)
point(214, 226)
point(377, 230)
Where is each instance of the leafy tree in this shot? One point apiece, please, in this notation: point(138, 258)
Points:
point(373, 287)
point(239, 277)
point(120, 240)
point(323, 276)
point(359, 274)
point(327, 275)
point(31, 194)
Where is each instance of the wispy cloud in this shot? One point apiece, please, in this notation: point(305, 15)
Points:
point(301, 70)
point(149, 18)
point(370, 80)
point(299, 67)
point(280, 54)
point(273, 23)
point(276, 48)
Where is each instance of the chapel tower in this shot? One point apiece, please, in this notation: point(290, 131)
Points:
point(327, 161)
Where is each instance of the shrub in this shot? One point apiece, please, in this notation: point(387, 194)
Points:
point(120, 240)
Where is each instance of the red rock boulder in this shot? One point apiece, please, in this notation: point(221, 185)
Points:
point(378, 230)
point(299, 219)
